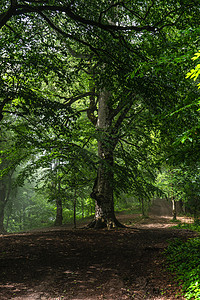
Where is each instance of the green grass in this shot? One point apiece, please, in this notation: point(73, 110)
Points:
point(183, 261)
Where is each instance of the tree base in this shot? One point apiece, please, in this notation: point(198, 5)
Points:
point(105, 223)
point(58, 222)
point(3, 231)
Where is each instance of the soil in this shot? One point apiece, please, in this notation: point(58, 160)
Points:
point(65, 263)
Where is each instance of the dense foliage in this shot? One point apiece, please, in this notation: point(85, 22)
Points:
point(183, 260)
point(194, 73)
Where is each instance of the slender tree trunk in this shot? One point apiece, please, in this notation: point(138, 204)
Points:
point(20, 220)
point(82, 208)
point(7, 221)
point(103, 186)
point(173, 209)
point(2, 207)
point(59, 216)
point(182, 207)
point(143, 207)
point(75, 209)
point(91, 211)
point(3, 201)
point(173, 203)
point(59, 210)
point(195, 208)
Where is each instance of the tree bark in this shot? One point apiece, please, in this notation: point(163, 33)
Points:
point(142, 207)
point(3, 202)
point(82, 208)
point(75, 209)
point(5, 189)
point(59, 216)
point(102, 191)
point(173, 209)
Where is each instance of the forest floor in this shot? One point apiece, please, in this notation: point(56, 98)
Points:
point(65, 263)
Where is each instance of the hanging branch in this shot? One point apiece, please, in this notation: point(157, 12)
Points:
point(2, 104)
point(121, 118)
point(15, 9)
point(71, 100)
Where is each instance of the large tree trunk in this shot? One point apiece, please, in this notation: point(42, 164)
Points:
point(103, 193)
point(103, 186)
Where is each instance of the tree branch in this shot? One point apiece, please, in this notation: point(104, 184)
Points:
point(4, 102)
point(92, 107)
point(72, 52)
point(6, 16)
point(67, 10)
point(121, 118)
point(174, 11)
point(148, 10)
point(104, 11)
point(23, 9)
point(36, 1)
point(59, 30)
point(78, 55)
point(133, 12)
point(71, 100)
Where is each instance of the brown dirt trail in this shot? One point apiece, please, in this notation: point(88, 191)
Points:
point(88, 264)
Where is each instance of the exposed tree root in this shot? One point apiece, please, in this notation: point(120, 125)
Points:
point(108, 223)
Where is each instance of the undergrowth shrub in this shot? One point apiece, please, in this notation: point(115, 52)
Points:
point(191, 226)
point(183, 260)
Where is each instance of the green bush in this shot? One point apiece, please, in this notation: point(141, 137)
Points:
point(183, 260)
point(192, 226)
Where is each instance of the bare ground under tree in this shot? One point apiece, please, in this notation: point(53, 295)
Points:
point(63, 263)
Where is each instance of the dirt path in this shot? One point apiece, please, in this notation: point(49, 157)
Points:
point(88, 264)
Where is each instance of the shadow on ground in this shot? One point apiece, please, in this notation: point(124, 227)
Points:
point(89, 264)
